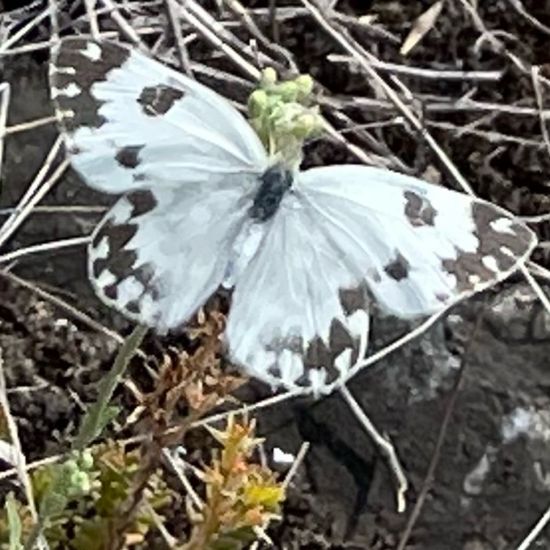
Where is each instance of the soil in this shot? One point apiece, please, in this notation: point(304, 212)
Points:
point(491, 483)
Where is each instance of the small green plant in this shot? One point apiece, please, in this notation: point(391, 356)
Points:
point(78, 499)
point(241, 497)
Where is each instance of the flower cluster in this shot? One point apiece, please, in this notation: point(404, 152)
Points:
point(284, 116)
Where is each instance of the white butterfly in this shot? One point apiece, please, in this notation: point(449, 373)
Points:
point(305, 252)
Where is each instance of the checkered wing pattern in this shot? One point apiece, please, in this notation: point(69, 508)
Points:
point(158, 255)
point(130, 122)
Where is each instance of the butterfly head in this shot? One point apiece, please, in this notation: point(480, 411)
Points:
point(275, 182)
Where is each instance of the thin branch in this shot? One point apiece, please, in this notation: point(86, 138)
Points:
point(364, 59)
point(428, 480)
point(489, 135)
point(216, 40)
point(4, 106)
point(58, 302)
point(421, 72)
point(520, 8)
point(384, 446)
point(124, 26)
point(181, 48)
point(539, 218)
point(53, 12)
point(178, 466)
point(434, 461)
point(43, 247)
point(32, 189)
point(24, 126)
point(395, 345)
point(535, 286)
point(491, 37)
point(59, 209)
point(535, 73)
point(92, 18)
point(300, 457)
point(5, 46)
point(20, 463)
point(535, 531)
point(249, 407)
point(10, 226)
point(272, 45)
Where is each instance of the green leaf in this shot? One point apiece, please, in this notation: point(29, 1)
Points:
point(14, 523)
point(100, 413)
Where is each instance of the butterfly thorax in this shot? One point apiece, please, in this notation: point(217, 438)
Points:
point(275, 182)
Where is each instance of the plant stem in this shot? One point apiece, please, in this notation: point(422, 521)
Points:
point(34, 534)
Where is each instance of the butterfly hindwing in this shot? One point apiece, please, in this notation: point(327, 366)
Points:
point(130, 122)
point(298, 315)
point(159, 254)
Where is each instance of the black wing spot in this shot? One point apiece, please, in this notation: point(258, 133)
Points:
point(419, 210)
point(158, 100)
point(354, 299)
point(128, 157)
point(468, 267)
point(398, 269)
point(111, 291)
point(142, 201)
point(133, 307)
point(86, 72)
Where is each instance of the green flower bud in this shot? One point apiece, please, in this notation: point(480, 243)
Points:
point(281, 114)
point(71, 466)
point(304, 83)
point(269, 77)
point(80, 483)
point(284, 115)
point(288, 91)
point(258, 103)
point(305, 125)
point(86, 460)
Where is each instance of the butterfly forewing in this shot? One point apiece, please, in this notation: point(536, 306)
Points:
point(187, 161)
point(421, 247)
point(130, 122)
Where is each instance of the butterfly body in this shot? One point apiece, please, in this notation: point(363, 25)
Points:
point(275, 182)
point(306, 253)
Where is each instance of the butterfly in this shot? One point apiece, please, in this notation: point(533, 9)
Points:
point(307, 254)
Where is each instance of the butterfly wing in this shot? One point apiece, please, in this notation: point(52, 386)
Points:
point(347, 234)
point(421, 247)
point(187, 161)
point(298, 314)
point(158, 255)
point(130, 122)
